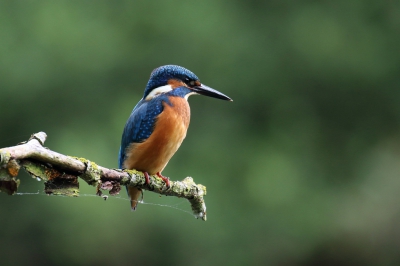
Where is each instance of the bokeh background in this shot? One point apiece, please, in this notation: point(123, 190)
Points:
point(301, 169)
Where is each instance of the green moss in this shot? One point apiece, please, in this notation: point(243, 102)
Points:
point(4, 157)
point(4, 175)
point(134, 175)
point(92, 174)
point(69, 192)
point(37, 170)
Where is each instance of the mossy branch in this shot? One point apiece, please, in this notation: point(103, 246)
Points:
point(60, 173)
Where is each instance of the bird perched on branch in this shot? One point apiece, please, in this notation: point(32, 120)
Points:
point(158, 123)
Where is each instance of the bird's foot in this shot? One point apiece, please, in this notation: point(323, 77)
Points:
point(146, 176)
point(165, 179)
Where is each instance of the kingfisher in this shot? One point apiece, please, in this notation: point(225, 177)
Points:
point(159, 122)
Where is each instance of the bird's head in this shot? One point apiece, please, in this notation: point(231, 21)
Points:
point(170, 77)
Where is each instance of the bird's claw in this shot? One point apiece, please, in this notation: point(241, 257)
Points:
point(146, 176)
point(165, 179)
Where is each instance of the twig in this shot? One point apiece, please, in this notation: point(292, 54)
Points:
point(60, 174)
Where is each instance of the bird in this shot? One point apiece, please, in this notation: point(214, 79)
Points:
point(158, 123)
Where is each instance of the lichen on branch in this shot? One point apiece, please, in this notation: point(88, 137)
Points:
point(60, 174)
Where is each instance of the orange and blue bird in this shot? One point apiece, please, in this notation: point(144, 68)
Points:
point(158, 123)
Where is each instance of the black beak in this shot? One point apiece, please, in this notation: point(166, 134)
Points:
point(207, 91)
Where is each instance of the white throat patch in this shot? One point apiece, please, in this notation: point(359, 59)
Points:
point(189, 94)
point(158, 91)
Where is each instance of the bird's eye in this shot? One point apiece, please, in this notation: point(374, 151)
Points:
point(192, 83)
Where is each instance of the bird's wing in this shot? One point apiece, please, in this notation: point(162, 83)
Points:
point(140, 125)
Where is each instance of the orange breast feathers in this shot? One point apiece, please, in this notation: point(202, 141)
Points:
point(153, 154)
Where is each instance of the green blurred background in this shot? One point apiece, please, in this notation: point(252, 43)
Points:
point(301, 169)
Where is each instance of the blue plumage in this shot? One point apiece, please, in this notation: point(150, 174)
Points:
point(161, 75)
point(140, 124)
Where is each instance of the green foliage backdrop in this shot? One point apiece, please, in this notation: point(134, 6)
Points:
point(301, 169)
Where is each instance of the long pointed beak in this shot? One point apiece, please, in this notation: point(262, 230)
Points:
point(207, 91)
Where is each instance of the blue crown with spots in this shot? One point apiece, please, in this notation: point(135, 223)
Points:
point(161, 75)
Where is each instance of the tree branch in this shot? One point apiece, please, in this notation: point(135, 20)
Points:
point(60, 173)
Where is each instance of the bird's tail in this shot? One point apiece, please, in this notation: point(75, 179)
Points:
point(134, 194)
